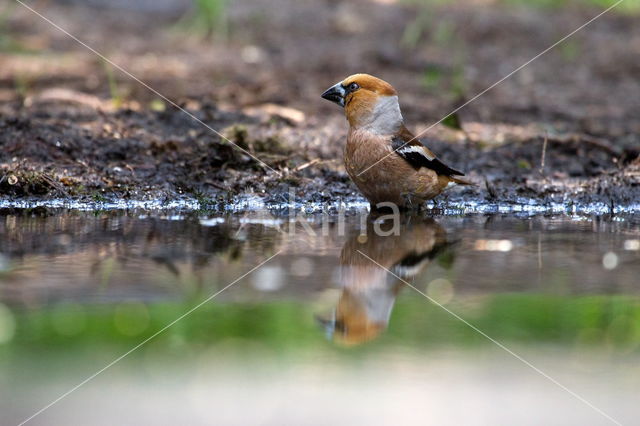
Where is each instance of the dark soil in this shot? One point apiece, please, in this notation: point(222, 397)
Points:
point(68, 130)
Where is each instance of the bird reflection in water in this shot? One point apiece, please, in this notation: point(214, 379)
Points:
point(369, 291)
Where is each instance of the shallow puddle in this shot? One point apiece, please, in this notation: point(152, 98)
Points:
point(262, 316)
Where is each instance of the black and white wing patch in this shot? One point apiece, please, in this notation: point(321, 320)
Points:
point(414, 262)
point(416, 154)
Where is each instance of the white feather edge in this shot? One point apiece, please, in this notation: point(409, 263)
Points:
point(410, 148)
point(410, 271)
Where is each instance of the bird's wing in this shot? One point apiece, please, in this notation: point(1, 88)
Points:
point(410, 265)
point(418, 155)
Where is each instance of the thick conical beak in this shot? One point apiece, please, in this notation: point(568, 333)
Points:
point(335, 94)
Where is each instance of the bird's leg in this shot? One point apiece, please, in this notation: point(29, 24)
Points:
point(408, 202)
point(411, 206)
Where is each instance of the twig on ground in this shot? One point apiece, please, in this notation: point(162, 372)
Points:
point(307, 164)
point(544, 153)
point(490, 189)
point(54, 184)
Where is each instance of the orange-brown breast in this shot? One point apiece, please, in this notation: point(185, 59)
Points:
point(392, 179)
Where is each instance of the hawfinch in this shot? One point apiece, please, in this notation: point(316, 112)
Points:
point(369, 291)
point(382, 156)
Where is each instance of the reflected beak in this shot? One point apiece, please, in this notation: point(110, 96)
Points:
point(335, 94)
point(328, 324)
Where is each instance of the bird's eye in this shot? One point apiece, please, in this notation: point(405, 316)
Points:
point(353, 87)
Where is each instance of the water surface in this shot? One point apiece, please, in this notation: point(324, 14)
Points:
point(350, 319)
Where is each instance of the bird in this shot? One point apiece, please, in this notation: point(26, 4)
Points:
point(368, 289)
point(383, 158)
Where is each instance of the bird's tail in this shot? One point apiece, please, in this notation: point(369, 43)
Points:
point(460, 180)
point(447, 182)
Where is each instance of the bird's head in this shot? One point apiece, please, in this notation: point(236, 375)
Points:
point(350, 323)
point(368, 102)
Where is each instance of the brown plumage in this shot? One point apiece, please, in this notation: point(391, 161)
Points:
point(382, 156)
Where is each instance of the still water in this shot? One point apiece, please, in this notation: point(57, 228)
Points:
point(266, 318)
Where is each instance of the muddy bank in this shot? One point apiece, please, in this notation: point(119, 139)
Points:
point(144, 155)
point(71, 129)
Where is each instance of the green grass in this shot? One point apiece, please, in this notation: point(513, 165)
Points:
point(611, 322)
point(7, 42)
point(207, 18)
point(98, 197)
point(627, 6)
point(22, 84)
point(114, 90)
point(416, 28)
